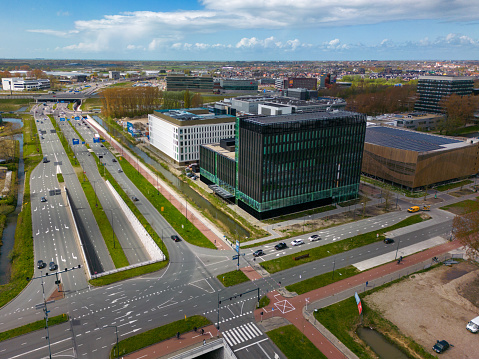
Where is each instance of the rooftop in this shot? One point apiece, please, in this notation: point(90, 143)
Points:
point(409, 140)
point(298, 117)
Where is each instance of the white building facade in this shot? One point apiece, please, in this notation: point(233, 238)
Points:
point(21, 84)
point(179, 133)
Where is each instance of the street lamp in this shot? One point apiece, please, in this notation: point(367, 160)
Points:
point(397, 249)
point(117, 347)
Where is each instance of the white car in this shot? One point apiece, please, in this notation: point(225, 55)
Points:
point(314, 237)
point(297, 242)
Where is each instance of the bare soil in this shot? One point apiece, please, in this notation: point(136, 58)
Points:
point(435, 305)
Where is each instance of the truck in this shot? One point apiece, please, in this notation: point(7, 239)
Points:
point(473, 325)
point(96, 135)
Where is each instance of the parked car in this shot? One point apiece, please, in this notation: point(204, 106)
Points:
point(175, 238)
point(280, 246)
point(52, 266)
point(441, 346)
point(388, 240)
point(297, 242)
point(41, 264)
point(43, 199)
point(314, 237)
point(258, 253)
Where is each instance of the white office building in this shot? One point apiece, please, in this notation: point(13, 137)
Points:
point(179, 133)
point(21, 84)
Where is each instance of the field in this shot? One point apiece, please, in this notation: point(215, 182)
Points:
point(434, 305)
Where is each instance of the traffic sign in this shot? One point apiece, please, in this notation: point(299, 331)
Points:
point(235, 257)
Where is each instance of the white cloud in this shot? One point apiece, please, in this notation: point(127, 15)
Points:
point(54, 32)
point(335, 44)
point(269, 43)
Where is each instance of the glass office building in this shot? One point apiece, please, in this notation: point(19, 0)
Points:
point(289, 163)
point(432, 89)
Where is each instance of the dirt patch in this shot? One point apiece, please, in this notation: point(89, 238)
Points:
point(434, 305)
point(355, 214)
point(462, 192)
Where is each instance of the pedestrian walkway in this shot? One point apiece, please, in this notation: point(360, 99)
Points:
point(291, 308)
point(241, 334)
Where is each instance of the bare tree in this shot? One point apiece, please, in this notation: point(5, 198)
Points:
point(465, 228)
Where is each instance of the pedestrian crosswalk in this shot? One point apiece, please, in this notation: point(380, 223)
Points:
point(241, 334)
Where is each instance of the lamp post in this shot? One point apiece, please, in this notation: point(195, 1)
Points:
point(397, 249)
point(116, 331)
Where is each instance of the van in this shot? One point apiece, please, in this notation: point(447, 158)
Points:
point(413, 209)
point(473, 325)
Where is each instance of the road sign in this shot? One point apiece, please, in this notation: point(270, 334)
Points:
point(235, 257)
point(237, 245)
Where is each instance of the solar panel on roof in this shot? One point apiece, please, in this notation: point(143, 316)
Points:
point(405, 140)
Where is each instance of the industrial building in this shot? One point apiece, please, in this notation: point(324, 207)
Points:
point(288, 163)
point(194, 83)
point(432, 89)
point(415, 159)
point(179, 133)
point(22, 84)
point(238, 84)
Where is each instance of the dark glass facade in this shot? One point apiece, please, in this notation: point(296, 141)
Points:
point(287, 163)
point(432, 89)
point(218, 169)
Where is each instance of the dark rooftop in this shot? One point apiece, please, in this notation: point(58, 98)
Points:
point(407, 140)
point(301, 117)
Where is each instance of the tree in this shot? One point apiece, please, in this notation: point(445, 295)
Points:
point(465, 228)
point(459, 111)
point(187, 99)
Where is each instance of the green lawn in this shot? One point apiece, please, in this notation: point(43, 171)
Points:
point(91, 103)
point(21, 256)
point(299, 214)
point(7, 105)
point(463, 207)
point(31, 327)
point(157, 335)
point(322, 280)
point(264, 302)
point(126, 274)
point(232, 278)
point(453, 185)
point(282, 263)
point(173, 216)
point(294, 344)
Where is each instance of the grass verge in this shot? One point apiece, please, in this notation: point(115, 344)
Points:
point(453, 185)
point(322, 280)
point(282, 263)
point(232, 278)
point(60, 178)
point(264, 302)
point(31, 327)
point(21, 256)
point(294, 344)
point(177, 220)
point(126, 274)
point(159, 334)
point(287, 217)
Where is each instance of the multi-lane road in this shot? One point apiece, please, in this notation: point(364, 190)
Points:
point(187, 286)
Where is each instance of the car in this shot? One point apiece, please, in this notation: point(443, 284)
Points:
point(314, 237)
point(43, 199)
point(41, 264)
point(297, 242)
point(102, 146)
point(119, 170)
point(388, 240)
point(195, 177)
point(280, 246)
point(52, 266)
point(175, 238)
point(441, 346)
point(258, 253)
point(113, 159)
point(189, 174)
point(135, 199)
point(42, 137)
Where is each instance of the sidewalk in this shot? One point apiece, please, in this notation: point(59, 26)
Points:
point(292, 308)
point(203, 224)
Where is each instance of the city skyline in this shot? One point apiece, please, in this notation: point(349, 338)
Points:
point(243, 30)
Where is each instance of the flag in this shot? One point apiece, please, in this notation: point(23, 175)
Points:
point(358, 302)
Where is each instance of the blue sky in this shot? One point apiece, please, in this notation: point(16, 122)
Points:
point(241, 30)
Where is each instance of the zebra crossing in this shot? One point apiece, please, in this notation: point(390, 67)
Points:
point(241, 334)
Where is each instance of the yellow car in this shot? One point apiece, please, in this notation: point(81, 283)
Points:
point(413, 209)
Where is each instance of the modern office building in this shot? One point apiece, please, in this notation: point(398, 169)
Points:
point(114, 75)
point(179, 133)
point(238, 84)
point(310, 83)
point(415, 159)
point(21, 84)
point(432, 89)
point(288, 163)
point(194, 83)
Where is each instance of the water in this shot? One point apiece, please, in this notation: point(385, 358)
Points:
point(180, 185)
point(8, 237)
point(22, 109)
point(379, 344)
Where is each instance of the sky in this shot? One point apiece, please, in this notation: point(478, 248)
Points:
point(241, 30)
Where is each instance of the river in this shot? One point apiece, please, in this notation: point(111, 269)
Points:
point(181, 186)
point(8, 237)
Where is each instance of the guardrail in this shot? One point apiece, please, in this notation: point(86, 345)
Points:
point(150, 245)
point(94, 276)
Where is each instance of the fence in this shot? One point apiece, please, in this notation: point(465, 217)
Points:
point(151, 247)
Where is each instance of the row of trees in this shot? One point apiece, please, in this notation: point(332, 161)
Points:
point(459, 112)
point(137, 101)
